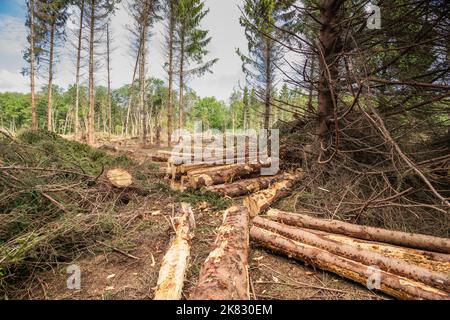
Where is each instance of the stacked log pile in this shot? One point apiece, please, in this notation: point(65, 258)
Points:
point(404, 273)
point(402, 265)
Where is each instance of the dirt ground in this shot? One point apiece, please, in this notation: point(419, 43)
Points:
point(127, 266)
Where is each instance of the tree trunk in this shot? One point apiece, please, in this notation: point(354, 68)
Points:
point(34, 123)
point(91, 131)
point(246, 187)
point(399, 238)
point(77, 77)
point(224, 275)
point(181, 85)
point(391, 284)
point(143, 114)
point(170, 71)
point(50, 80)
point(130, 98)
point(329, 46)
point(402, 267)
point(175, 261)
point(108, 62)
point(261, 200)
point(268, 75)
point(310, 107)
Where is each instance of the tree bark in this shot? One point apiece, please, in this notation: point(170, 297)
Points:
point(34, 123)
point(181, 85)
point(261, 200)
point(170, 72)
point(142, 108)
point(399, 238)
point(329, 46)
point(224, 275)
point(50, 79)
point(401, 267)
point(246, 187)
point(77, 77)
point(268, 75)
point(91, 131)
point(216, 176)
point(175, 261)
point(108, 62)
point(391, 284)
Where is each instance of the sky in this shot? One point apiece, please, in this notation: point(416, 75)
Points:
point(222, 23)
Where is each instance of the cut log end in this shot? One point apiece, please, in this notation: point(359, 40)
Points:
point(119, 178)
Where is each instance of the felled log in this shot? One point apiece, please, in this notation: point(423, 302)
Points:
point(175, 261)
point(108, 147)
point(119, 178)
point(391, 284)
point(261, 200)
point(411, 240)
point(224, 175)
point(401, 267)
point(224, 275)
point(245, 187)
point(176, 171)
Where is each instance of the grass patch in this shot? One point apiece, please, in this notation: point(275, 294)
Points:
point(215, 200)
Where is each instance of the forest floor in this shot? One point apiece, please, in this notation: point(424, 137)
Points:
point(127, 266)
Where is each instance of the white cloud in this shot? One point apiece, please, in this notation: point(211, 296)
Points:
point(13, 81)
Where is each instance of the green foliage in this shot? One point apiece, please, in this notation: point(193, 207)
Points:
point(52, 203)
point(211, 112)
point(215, 200)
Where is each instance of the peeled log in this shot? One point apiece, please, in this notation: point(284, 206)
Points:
point(404, 268)
point(224, 175)
point(224, 275)
point(119, 178)
point(175, 261)
point(261, 200)
point(245, 187)
point(391, 284)
point(411, 240)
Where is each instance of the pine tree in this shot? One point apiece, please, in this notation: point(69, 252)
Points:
point(264, 51)
point(191, 42)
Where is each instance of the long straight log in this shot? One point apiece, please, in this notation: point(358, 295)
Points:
point(411, 240)
point(247, 186)
point(175, 261)
point(224, 275)
point(404, 268)
point(223, 175)
point(389, 283)
point(261, 200)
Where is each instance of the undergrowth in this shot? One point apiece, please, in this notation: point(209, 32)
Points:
point(54, 203)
